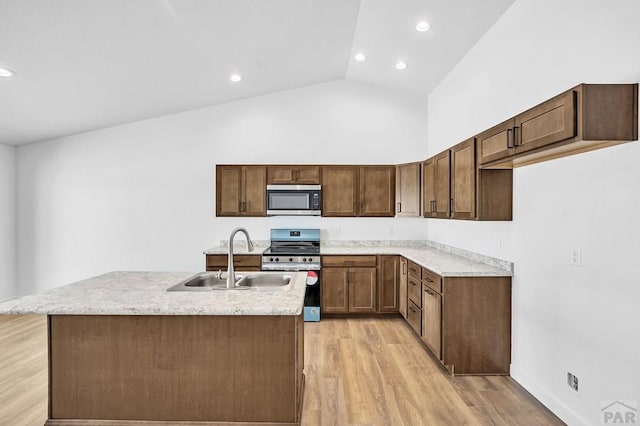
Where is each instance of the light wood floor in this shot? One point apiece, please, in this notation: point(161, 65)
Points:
point(360, 371)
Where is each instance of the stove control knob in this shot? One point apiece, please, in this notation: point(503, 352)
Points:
point(291, 259)
point(277, 259)
point(271, 259)
point(304, 259)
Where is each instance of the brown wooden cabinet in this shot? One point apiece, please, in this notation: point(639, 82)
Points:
point(454, 186)
point(408, 190)
point(349, 284)
point(241, 262)
point(358, 190)
point(436, 185)
point(463, 180)
point(402, 288)
point(584, 118)
point(241, 190)
point(464, 321)
point(432, 320)
point(388, 283)
point(339, 191)
point(377, 190)
point(293, 175)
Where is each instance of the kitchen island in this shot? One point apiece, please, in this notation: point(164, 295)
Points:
point(122, 348)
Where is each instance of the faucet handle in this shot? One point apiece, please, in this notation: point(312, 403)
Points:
point(219, 274)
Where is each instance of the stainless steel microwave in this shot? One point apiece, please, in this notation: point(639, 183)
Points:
point(294, 200)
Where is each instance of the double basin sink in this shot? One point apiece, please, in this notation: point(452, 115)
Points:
point(257, 281)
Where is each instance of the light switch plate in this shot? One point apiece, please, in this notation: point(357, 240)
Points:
point(575, 257)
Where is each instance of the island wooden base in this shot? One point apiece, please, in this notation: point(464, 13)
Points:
point(161, 370)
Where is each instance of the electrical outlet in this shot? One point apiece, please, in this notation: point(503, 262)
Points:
point(572, 381)
point(575, 257)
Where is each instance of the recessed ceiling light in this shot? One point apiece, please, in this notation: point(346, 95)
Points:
point(401, 65)
point(360, 57)
point(423, 26)
point(4, 72)
point(235, 78)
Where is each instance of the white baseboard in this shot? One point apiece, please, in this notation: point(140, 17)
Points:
point(547, 398)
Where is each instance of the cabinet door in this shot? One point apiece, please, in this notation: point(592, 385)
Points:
point(302, 175)
point(442, 184)
point(254, 201)
point(408, 190)
point(228, 190)
point(362, 289)
point(550, 122)
point(402, 302)
point(429, 187)
point(388, 283)
point(497, 142)
point(377, 191)
point(339, 191)
point(463, 180)
point(335, 291)
point(432, 321)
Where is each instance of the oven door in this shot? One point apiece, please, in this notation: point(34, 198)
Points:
point(293, 200)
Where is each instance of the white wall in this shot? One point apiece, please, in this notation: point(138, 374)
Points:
point(8, 285)
point(584, 320)
point(142, 196)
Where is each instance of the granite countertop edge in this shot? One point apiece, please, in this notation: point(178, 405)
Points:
point(144, 293)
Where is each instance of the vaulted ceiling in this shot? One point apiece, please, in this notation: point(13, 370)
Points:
point(83, 65)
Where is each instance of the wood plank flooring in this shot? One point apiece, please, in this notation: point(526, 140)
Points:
point(375, 371)
point(359, 371)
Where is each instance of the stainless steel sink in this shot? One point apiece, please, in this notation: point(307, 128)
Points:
point(259, 281)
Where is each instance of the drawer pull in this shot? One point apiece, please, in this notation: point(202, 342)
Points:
point(429, 292)
point(429, 280)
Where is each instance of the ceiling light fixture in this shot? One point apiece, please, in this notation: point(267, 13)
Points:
point(401, 65)
point(423, 26)
point(360, 57)
point(4, 72)
point(235, 78)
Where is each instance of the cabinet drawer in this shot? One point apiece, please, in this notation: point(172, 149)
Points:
point(415, 270)
point(414, 317)
point(349, 261)
point(239, 261)
point(432, 279)
point(414, 291)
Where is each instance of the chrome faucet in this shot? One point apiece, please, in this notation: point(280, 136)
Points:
point(231, 275)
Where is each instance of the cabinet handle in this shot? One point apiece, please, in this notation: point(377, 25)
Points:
point(433, 206)
point(509, 138)
point(243, 206)
point(412, 309)
point(351, 276)
point(404, 269)
point(429, 280)
point(429, 292)
point(515, 138)
point(361, 206)
point(451, 205)
point(398, 208)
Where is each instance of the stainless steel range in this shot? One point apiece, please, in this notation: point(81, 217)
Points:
point(297, 250)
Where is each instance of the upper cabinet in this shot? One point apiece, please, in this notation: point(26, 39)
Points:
point(241, 190)
point(454, 187)
point(339, 191)
point(436, 185)
point(358, 190)
point(377, 190)
point(293, 175)
point(587, 117)
point(408, 190)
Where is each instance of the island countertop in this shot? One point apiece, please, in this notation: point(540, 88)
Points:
point(144, 293)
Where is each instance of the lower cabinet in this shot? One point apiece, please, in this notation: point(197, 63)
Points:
point(349, 284)
point(432, 320)
point(241, 262)
point(464, 321)
point(402, 284)
point(388, 283)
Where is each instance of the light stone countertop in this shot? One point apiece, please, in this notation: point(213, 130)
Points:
point(444, 260)
point(144, 293)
